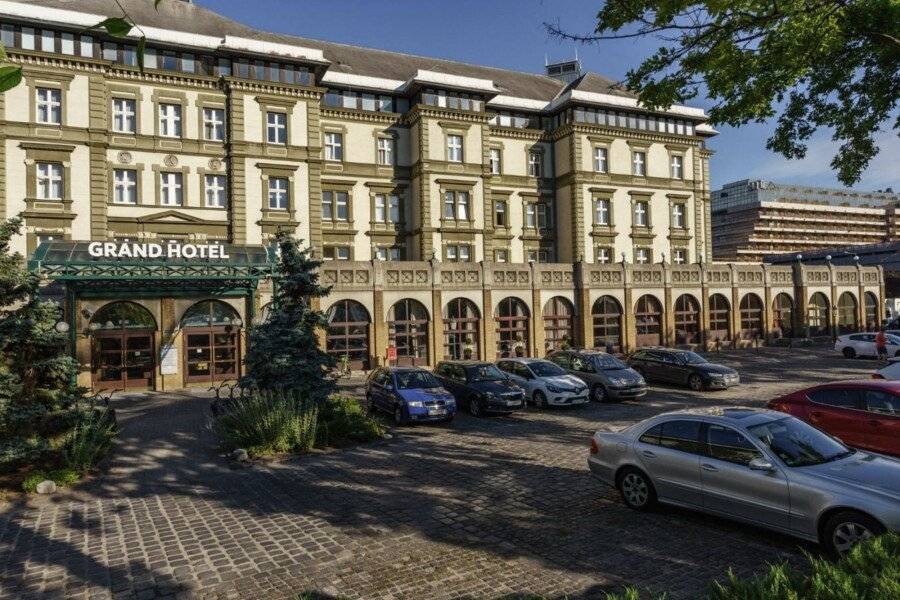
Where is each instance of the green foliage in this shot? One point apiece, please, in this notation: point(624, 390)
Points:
point(115, 26)
point(284, 351)
point(89, 441)
point(342, 421)
point(61, 477)
point(268, 422)
point(831, 64)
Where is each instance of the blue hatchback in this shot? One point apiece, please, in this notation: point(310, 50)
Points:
point(410, 394)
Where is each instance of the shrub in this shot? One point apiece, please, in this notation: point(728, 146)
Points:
point(268, 422)
point(89, 441)
point(343, 421)
point(62, 478)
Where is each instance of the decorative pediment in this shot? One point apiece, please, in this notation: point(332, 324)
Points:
point(170, 216)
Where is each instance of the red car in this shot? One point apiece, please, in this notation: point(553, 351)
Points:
point(864, 414)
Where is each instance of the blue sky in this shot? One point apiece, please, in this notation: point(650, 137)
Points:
point(510, 34)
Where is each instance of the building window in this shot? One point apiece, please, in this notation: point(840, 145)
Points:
point(276, 128)
point(49, 106)
point(642, 256)
point(124, 186)
point(604, 255)
point(385, 151)
point(495, 161)
point(536, 215)
point(501, 256)
point(387, 208)
point(601, 160)
point(535, 164)
point(678, 216)
point(539, 256)
point(641, 213)
point(639, 163)
point(458, 253)
point(334, 146)
point(336, 253)
point(49, 181)
point(124, 112)
point(335, 206)
point(677, 166)
point(455, 148)
point(215, 191)
point(679, 256)
point(214, 124)
point(387, 253)
point(500, 219)
point(170, 120)
point(456, 205)
point(279, 193)
point(601, 212)
point(171, 189)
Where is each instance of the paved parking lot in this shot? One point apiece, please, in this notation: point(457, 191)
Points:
point(485, 508)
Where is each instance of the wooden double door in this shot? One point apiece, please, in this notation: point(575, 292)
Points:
point(123, 360)
point(211, 353)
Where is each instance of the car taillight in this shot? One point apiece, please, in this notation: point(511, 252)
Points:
point(877, 376)
point(779, 406)
point(595, 449)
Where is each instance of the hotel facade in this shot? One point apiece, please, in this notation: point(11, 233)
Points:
point(462, 211)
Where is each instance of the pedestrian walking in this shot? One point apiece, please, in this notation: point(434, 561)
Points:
point(881, 344)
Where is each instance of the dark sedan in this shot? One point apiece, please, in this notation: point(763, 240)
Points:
point(481, 387)
point(683, 367)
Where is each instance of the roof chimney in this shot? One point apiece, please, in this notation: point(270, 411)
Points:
point(566, 71)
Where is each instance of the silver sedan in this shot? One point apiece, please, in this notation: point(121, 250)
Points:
point(544, 383)
point(756, 466)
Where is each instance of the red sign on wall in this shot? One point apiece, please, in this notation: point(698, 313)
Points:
point(392, 352)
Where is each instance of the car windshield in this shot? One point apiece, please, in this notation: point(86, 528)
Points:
point(608, 362)
point(546, 368)
point(798, 444)
point(485, 373)
point(416, 380)
point(691, 358)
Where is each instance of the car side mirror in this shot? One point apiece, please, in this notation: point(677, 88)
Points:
point(761, 464)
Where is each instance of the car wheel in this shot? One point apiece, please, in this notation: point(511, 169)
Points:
point(598, 393)
point(696, 382)
point(846, 529)
point(399, 416)
point(636, 489)
point(474, 407)
point(540, 400)
point(849, 353)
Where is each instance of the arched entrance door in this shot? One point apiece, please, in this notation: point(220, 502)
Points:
point(719, 319)
point(408, 332)
point(687, 320)
point(212, 342)
point(461, 334)
point(783, 315)
point(873, 318)
point(123, 355)
point(348, 333)
point(512, 328)
point(607, 316)
point(847, 311)
point(817, 317)
point(559, 324)
point(649, 321)
point(751, 317)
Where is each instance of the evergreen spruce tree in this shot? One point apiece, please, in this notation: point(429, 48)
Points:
point(36, 372)
point(284, 352)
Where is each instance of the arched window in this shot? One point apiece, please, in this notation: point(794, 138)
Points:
point(211, 341)
point(461, 330)
point(751, 317)
point(873, 315)
point(649, 321)
point(607, 316)
point(559, 324)
point(408, 332)
point(512, 328)
point(122, 347)
point(687, 320)
point(719, 318)
point(847, 311)
point(348, 333)
point(783, 315)
point(817, 315)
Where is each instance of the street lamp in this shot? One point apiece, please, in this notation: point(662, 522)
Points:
point(61, 327)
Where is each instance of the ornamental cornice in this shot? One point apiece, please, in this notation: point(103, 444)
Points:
point(268, 87)
point(359, 115)
point(518, 134)
point(421, 111)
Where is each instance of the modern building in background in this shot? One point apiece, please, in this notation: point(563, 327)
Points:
point(754, 219)
point(460, 209)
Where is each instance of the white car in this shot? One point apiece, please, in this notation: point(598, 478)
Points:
point(890, 372)
point(544, 383)
point(852, 345)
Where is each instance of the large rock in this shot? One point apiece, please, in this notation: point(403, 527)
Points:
point(46, 487)
point(240, 455)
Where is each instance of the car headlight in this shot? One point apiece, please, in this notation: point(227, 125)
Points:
point(618, 382)
point(554, 388)
point(717, 375)
point(488, 396)
point(641, 381)
point(415, 404)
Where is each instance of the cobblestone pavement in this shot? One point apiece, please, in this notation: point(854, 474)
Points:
point(484, 508)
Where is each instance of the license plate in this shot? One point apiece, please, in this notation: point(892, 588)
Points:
point(513, 402)
point(434, 412)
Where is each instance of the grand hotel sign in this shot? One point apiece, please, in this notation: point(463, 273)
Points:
point(170, 250)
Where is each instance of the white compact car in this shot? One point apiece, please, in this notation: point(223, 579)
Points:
point(852, 345)
point(544, 383)
point(890, 372)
